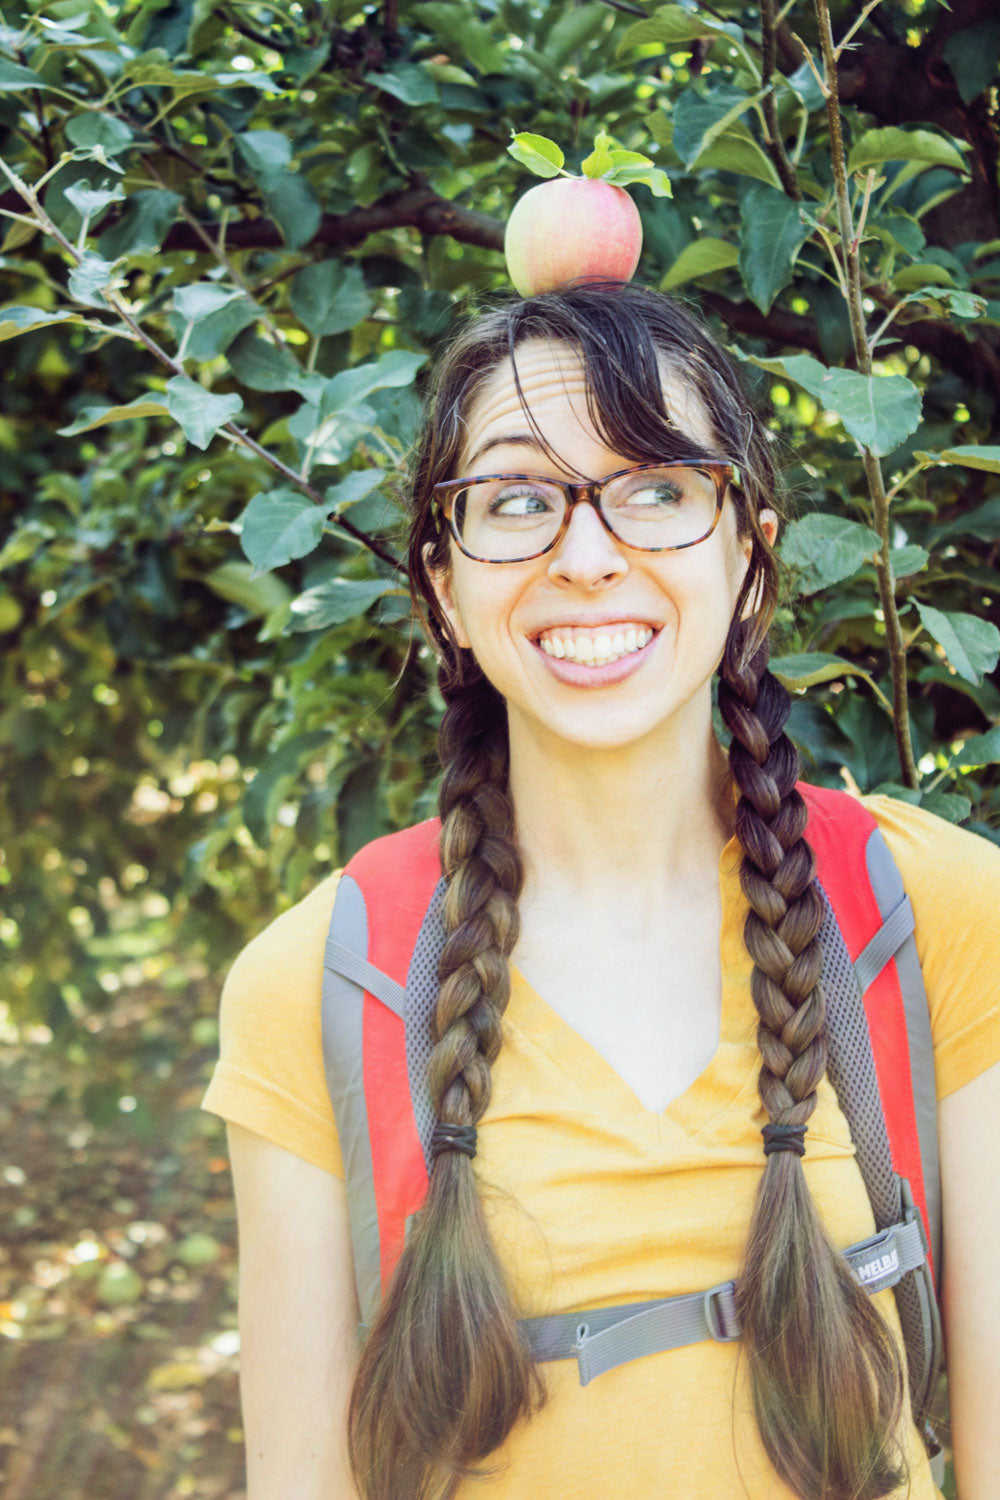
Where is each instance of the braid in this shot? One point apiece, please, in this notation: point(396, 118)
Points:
point(446, 1372)
point(826, 1376)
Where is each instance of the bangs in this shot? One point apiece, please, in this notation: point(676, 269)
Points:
point(623, 369)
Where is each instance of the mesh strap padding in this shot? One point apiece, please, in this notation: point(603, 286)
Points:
point(422, 984)
point(851, 1069)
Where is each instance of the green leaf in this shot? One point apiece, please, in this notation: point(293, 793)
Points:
point(87, 278)
point(96, 129)
point(771, 235)
point(971, 645)
point(736, 150)
point(211, 333)
point(398, 367)
point(973, 55)
point(201, 298)
point(279, 526)
point(266, 791)
point(263, 366)
point(983, 522)
point(537, 153)
point(240, 583)
point(972, 456)
point(330, 297)
point(980, 750)
point(89, 200)
point(908, 560)
point(672, 25)
point(825, 549)
point(143, 226)
point(294, 207)
point(338, 600)
point(264, 151)
point(811, 667)
point(879, 411)
point(599, 160)
point(409, 82)
point(622, 174)
point(353, 487)
point(889, 143)
point(100, 414)
point(198, 411)
point(700, 258)
point(920, 274)
point(14, 79)
point(700, 117)
point(475, 41)
point(17, 320)
point(947, 805)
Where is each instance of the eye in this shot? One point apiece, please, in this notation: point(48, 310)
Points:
point(522, 500)
point(660, 494)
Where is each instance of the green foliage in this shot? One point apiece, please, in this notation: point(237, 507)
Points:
point(233, 237)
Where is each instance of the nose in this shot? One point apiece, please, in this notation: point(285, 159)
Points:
point(587, 557)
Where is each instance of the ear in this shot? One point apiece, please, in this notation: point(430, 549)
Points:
point(769, 525)
point(441, 583)
point(768, 522)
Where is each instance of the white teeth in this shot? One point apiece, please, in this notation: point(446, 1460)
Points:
point(597, 650)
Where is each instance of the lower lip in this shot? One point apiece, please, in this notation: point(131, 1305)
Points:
point(579, 675)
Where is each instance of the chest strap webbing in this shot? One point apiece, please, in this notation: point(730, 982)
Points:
point(602, 1338)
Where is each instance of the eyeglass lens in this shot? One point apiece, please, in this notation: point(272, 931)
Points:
point(509, 518)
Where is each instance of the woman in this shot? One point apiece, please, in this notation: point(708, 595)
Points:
point(595, 843)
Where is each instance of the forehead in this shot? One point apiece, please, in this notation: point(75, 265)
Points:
point(554, 386)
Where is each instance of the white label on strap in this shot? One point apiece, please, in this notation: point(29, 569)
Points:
point(882, 1265)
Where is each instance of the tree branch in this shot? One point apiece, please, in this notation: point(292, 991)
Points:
point(775, 145)
point(862, 352)
point(418, 207)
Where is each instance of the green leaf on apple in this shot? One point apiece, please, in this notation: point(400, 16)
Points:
point(537, 153)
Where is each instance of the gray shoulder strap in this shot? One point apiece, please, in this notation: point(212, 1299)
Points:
point(851, 1068)
point(347, 974)
point(343, 1059)
point(887, 884)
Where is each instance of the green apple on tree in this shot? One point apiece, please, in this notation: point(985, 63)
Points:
point(576, 228)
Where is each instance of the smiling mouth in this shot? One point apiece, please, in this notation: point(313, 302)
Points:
point(595, 647)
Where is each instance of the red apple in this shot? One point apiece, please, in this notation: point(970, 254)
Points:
point(571, 227)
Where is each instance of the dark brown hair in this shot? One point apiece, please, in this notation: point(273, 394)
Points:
point(445, 1373)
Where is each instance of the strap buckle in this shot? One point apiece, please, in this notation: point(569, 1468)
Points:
point(720, 1312)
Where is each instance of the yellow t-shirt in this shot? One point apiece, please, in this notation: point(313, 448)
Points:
point(593, 1199)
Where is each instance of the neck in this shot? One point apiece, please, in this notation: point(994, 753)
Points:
point(645, 817)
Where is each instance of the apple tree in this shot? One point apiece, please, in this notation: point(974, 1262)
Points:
point(234, 234)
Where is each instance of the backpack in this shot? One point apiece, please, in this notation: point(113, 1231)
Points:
point(380, 987)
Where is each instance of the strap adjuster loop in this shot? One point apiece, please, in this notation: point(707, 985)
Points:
point(720, 1314)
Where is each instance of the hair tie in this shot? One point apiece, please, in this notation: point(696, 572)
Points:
point(453, 1138)
point(784, 1138)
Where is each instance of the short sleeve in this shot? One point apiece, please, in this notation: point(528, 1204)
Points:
point(270, 1075)
point(952, 877)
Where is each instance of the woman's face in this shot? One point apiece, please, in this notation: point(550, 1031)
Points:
point(524, 621)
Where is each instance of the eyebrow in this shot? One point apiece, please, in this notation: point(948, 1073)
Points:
point(511, 439)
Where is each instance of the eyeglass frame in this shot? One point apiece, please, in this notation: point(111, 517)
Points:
point(723, 471)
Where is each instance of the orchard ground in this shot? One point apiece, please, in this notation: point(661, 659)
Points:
point(118, 1366)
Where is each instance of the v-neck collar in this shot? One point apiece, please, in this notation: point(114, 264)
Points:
point(730, 1073)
